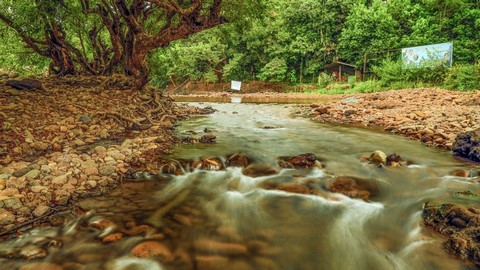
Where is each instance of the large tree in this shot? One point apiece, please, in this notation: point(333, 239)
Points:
point(100, 37)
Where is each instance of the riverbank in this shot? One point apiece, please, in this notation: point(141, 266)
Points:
point(432, 116)
point(77, 138)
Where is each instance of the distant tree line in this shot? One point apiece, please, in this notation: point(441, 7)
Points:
point(285, 40)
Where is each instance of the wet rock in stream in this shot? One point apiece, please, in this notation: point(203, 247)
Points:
point(354, 187)
point(460, 224)
point(468, 145)
point(307, 160)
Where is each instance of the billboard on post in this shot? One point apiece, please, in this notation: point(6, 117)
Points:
point(433, 55)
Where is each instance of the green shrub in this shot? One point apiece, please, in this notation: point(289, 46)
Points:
point(367, 87)
point(274, 71)
point(395, 73)
point(463, 77)
point(324, 79)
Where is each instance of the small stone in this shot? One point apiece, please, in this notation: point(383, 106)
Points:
point(12, 202)
point(78, 142)
point(91, 171)
point(33, 174)
point(459, 223)
point(60, 180)
point(2, 184)
point(118, 156)
point(208, 138)
point(100, 149)
point(112, 237)
point(103, 134)
point(21, 172)
point(9, 192)
point(106, 170)
point(92, 183)
point(85, 119)
point(6, 217)
point(37, 189)
point(46, 168)
point(4, 176)
point(33, 252)
point(151, 249)
point(378, 158)
point(40, 210)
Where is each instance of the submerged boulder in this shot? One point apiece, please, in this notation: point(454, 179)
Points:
point(209, 164)
point(468, 145)
point(238, 160)
point(381, 159)
point(460, 224)
point(307, 160)
point(353, 187)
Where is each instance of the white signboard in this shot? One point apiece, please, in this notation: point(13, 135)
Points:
point(436, 55)
point(236, 85)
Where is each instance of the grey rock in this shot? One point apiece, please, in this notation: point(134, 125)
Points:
point(468, 145)
point(40, 210)
point(33, 174)
point(38, 189)
point(22, 171)
point(350, 100)
point(60, 180)
point(6, 217)
point(12, 202)
point(107, 170)
point(85, 119)
point(33, 252)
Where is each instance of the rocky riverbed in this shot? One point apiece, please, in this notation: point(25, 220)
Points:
point(432, 116)
point(78, 138)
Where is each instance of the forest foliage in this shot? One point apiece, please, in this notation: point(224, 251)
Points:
point(290, 40)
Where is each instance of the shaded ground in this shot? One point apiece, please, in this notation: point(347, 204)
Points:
point(79, 138)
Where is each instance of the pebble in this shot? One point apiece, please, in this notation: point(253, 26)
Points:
point(60, 180)
point(21, 172)
point(40, 210)
point(12, 202)
point(113, 237)
point(33, 174)
point(106, 170)
point(33, 252)
point(38, 189)
point(6, 217)
point(100, 149)
point(46, 168)
point(151, 249)
point(90, 171)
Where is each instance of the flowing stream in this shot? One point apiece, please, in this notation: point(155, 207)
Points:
point(227, 220)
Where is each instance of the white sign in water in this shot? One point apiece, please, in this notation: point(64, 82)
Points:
point(236, 85)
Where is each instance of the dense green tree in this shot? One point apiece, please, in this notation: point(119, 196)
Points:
point(369, 29)
point(121, 33)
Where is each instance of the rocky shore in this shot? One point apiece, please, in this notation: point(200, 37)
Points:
point(75, 139)
point(432, 116)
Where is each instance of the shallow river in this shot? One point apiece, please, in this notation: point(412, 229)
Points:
point(225, 220)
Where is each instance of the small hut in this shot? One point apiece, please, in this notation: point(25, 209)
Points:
point(341, 71)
